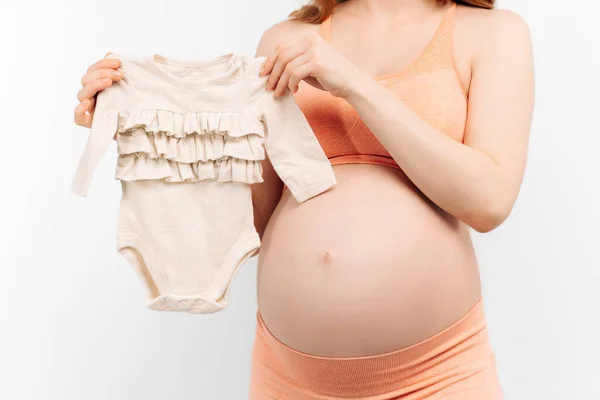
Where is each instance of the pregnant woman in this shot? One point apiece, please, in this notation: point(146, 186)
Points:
point(371, 290)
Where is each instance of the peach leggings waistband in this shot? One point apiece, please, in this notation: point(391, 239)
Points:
point(455, 364)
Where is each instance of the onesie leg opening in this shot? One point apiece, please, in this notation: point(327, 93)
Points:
point(167, 302)
point(143, 260)
point(244, 248)
point(242, 252)
point(216, 298)
point(136, 260)
point(161, 297)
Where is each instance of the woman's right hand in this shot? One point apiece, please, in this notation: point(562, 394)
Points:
point(99, 75)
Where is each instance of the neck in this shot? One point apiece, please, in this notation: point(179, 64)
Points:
point(394, 6)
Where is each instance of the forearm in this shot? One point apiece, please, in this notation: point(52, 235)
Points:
point(461, 180)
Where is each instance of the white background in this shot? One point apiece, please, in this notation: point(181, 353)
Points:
point(72, 319)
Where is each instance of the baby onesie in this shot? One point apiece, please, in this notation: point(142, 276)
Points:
point(191, 136)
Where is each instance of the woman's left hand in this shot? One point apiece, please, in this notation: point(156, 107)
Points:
point(311, 59)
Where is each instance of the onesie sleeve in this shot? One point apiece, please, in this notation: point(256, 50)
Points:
point(292, 146)
point(102, 132)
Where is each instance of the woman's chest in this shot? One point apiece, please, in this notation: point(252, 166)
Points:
point(437, 98)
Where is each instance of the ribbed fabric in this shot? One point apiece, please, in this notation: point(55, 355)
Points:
point(457, 363)
point(429, 86)
point(191, 137)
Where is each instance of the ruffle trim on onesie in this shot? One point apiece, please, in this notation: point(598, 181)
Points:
point(231, 124)
point(192, 147)
point(140, 166)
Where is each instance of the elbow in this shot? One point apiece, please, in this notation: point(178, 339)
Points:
point(490, 216)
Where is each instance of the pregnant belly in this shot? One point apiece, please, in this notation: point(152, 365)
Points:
point(368, 267)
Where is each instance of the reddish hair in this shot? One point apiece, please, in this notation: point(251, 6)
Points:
point(318, 10)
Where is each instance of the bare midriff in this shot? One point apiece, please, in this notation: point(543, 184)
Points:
point(368, 267)
point(372, 265)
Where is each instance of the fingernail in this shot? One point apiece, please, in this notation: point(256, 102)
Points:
point(118, 74)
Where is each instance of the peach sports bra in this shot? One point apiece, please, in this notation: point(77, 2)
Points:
point(429, 86)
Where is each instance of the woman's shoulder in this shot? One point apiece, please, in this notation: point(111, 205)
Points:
point(484, 23)
point(285, 31)
point(481, 30)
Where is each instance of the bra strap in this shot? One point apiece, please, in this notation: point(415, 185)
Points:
point(448, 20)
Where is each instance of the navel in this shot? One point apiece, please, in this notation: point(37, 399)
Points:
point(327, 258)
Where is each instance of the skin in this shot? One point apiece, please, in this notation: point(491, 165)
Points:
point(384, 259)
point(98, 76)
point(477, 182)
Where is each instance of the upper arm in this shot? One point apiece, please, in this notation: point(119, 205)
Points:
point(501, 94)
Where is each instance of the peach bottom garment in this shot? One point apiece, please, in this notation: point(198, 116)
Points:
point(455, 364)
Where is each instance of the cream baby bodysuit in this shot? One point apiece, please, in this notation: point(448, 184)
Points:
point(191, 136)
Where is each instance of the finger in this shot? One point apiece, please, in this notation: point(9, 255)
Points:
point(92, 106)
point(105, 63)
point(283, 59)
point(303, 71)
point(80, 117)
point(289, 70)
point(270, 60)
point(101, 73)
point(90, 90)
